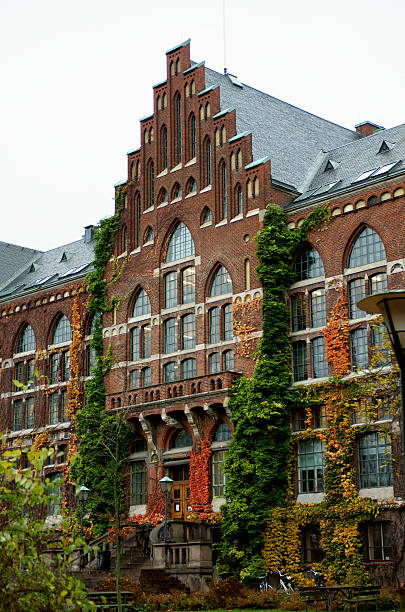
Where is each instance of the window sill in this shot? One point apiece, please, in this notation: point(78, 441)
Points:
point(163, 204)
point(163, 173)
point(378, 493)
point(176, 200)
point(252, 213)
point(221, 223)
point(190, 195)
point(310, 498)
point(191, 162)
point(207, 188)
point(237, 218)
point(148, 210)
point(178, 167)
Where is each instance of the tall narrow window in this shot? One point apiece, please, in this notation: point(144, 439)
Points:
point(170, 335)
point(26, 340)
point(298, 315)
point(356, 292)
point(227, 360)
point(151, 184)
point(170, 371)
point(319, 363)
point(224, 190)
point(247, 274)
point(141, 305)
point(138, 483)
point(227, 322)
point(188, 285)
point(188, 368)
point(218, 474)
point(192, 136)
point(170, 289)
point(138, 220)
point(359, 349)
point(54, 368)
point(207, 163)
point(221, 283)
point(53, 409)
point(214, 326)
point(308, 264)
point(299, 361)
point(318, 310)
point(310, 466)
point(62, 331)
point(18, 415)
point(29, 413)
point(239, 159)
point(177, 128)
point(233, 161)
point(213, 362)
point(163, 148)
point(378, 283)
point(188, 332)
point(375, 460)
point(239, 200)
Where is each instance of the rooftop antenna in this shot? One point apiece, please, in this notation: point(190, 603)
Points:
point(224, 33)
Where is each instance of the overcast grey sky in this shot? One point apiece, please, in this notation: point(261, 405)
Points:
point(76, 77)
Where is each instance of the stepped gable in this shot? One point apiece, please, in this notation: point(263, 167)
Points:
point(290, 136)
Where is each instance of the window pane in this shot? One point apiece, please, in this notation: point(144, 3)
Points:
point(218, 474)
point(170, 290)
point(62, 331)
point(170, 371)
point(138, 483)
point(227, 322)
point(359, 349)
point(318, 308)
point(319, 364)
point(299, 359)
point(54, 368)
point(214, 363)
point(53, 409)
point(375, 460)
point(65, 369)
point(188, 332)
point(135, 344)
point(142, 305)
point(170, 335)
point(188, 285)
point(228, 360)
point(54, 506)
point(310, 466)
point(222, 433)
point(308, 264)
point(26, 340)
point(214, 325)
point(134, 379)
point(221, 283)
point(29, 413)
point(146, 341)
point(146, 377)
point(181, 439)
point(188, 368)
point(298, 317)
point(357, 291)
point(64, 404)
point(18, 415)
point(367, 248)
point(180, 244)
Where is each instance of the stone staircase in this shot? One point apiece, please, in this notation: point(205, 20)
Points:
point(159, 581)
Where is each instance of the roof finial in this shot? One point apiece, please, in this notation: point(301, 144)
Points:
point(224, 33)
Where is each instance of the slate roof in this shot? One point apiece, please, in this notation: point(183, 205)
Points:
point(349, 161)
point(13, 260)
point(48, 266)
point(290, 136)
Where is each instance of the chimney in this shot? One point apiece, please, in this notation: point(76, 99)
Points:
point(367, 128)
point(89, 233)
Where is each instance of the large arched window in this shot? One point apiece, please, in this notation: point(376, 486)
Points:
point(26, 340)
point(62, 331)
point(180, 244)
point(308, 264)
point(221, 283)
point(177, 128)
point(181, 439)
point(367, 248)
point(141, 304)
point(163, 148)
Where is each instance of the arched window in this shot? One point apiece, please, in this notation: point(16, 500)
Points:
point(256, 186)
point(233, 161)
point(208, 110)
point(221, 283)
point(172, 69)
point(222, 433)
point(367, 248)
point(151, 134)
point(162, 197)
point(141, 305)
point(240, 160)
point(170, 372)
point(223, 134)
point(159, 103)
point(62, 331)
point(188, 368)
point(201, 112)
point(213, 362)
point(223, 191)
point(207, 173)
point(151, 185)
point(206, 216)
point(192, 136)
point(178, 65)
point(164, 100)
point(180, 244)
point(26, 340)
point(191, 186)
point(176, 191)
point(149, 235)
point(192, 87)
point(177, 128)
point(187, 90)
point(308, 264)
point(228, 360)
point(138, 220)
point(217, 138)
point(163, 148)
point(181, 439)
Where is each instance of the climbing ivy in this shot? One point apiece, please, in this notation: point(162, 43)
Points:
point(103, 437)
point(258, 458)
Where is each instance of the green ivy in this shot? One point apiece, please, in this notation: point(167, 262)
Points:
point(258, 458)
point(103, 437)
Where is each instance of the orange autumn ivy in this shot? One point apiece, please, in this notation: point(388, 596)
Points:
point(336, 335)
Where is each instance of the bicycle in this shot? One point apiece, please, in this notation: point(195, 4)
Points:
point(285, 583)
point(264, 585)
point(318, 578)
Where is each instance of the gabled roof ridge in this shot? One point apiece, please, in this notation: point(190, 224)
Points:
point(286, 103)
point(380, 134)
point(20, 246)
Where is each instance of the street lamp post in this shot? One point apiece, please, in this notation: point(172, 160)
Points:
point(82, 496)
point(391, 305)
point(166, 486)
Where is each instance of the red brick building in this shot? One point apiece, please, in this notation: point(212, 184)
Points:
point(213, 154)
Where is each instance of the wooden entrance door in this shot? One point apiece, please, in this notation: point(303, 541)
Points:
point(180, 474)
